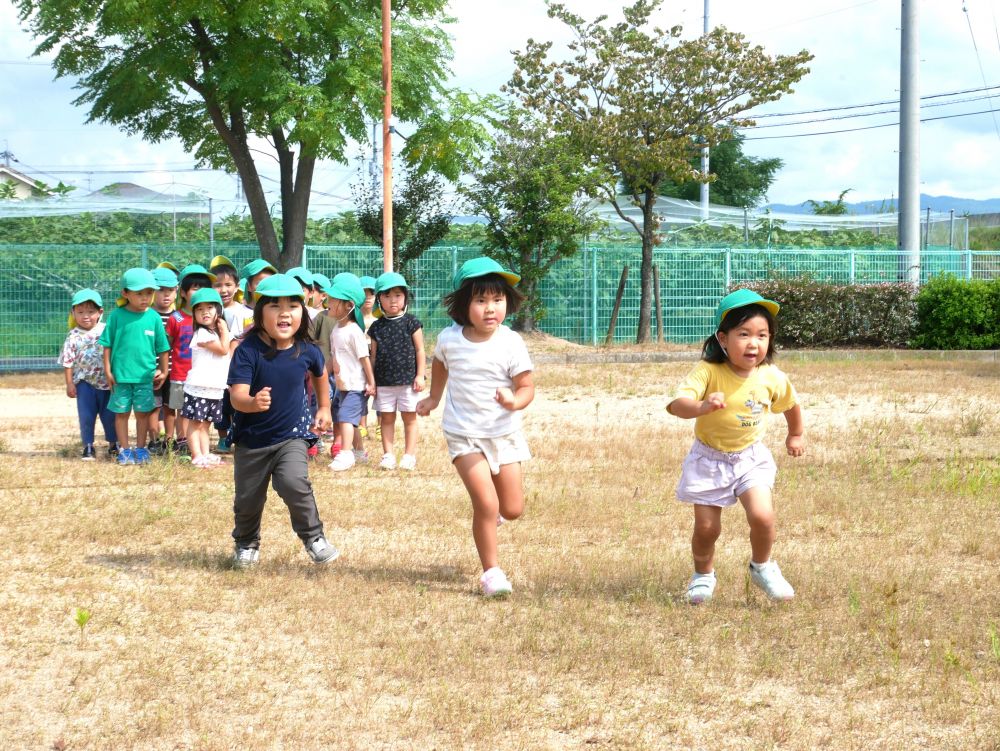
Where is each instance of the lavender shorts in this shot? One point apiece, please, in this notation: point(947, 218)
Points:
point(717, 478)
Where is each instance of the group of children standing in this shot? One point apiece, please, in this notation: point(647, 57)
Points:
point(295, 362)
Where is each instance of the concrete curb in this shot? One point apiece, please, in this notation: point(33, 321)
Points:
point(796, 355)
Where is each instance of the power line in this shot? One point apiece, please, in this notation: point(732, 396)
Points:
point(867, 127)
point(870, 104)
point(968, 21)
point(871, 114)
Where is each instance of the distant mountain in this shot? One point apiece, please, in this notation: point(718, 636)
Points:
point(934, 203)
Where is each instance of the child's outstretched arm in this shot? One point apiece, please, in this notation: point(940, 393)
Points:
point(520, 396)
point(687, 408)
point(439, 377)
point(795, 442)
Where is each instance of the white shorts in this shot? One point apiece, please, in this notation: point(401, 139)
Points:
point(717, 478)
point(396, 399)
point(507, 449)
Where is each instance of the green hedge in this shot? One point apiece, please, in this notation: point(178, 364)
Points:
point(958, 314)
point(816, 314)
point(945, 313)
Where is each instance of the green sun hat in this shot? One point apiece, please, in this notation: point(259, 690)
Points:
point(84, 295)
point(388, 280)
point(344, 287)
point(279, 285)
point(255, 267)
point(164, 277)
point(87, 295)
point(741, 298)
point(136, 280)
point(301, 273)
point(368, 282)
point(482, 266)
point(205, 294)
point(167, 265)
point(195, 268)
point(321, 280)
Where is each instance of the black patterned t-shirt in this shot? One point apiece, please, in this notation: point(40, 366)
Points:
point(395, 356)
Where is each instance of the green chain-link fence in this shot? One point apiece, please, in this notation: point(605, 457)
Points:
point(37, 282)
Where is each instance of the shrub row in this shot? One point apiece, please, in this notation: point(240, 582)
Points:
point(946, 313)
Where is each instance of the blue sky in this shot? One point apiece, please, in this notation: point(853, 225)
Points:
point(856, 48)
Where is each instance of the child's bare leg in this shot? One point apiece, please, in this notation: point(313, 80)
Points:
point(475, 474)
point(169, 422)
point(707, 528)
point(346, 431)
point(760, 515)
point(141, 429)
point(510, 492)
point(195, 443)
point(182, 426)
point(121, 428)
point(388, 422)
point(409, 432)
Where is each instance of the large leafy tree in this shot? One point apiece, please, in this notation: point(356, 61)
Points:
point(737, 179)
point(637, 100)
point(224, 77)
point(534, 193)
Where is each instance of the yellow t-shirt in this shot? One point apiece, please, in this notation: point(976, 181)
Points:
point(743, 421)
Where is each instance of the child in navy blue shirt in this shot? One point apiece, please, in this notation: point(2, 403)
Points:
point(272, 427)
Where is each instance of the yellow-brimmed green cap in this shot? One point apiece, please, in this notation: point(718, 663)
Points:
point(221, 261)
point(82, 296)
point(483, 266)
point(135, 280)
point(741, 298)
point(164, 277)
point(348, 287)
point(166, 265)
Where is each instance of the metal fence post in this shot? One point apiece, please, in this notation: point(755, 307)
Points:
point(852, 267)
point(143, 256)
point(968, 264)
point(305, 256)
point(729, 268)
point(951, 229)
point(593, 295)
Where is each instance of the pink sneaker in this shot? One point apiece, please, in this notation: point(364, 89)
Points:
point(495, 583)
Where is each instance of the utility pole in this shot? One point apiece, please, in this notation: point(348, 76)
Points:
point(909, 142)
point(387, 137)
point(704, 152)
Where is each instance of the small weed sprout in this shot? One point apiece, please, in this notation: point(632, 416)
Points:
point(994, 642)
point(81, 617)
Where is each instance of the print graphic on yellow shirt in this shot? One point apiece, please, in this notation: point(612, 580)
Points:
point(743, 421)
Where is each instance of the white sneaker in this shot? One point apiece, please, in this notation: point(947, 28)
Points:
point(495, 583)
point(409, 461)
point(360, 456)
point(388, 461)
point(342, 461)
point(701, 588)
point(768, 577)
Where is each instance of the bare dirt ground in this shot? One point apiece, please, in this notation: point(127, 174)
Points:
point(889, 528)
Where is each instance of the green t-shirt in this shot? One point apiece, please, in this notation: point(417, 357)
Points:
point(135, 340)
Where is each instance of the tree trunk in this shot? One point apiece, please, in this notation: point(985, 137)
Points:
point(646, 269)
point(234, 135)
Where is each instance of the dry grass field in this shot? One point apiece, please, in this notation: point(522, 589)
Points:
point(889, 529)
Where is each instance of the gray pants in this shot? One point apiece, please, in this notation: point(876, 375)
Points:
point(286, 467)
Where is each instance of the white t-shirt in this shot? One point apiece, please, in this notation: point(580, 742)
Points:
point(235, 316)
point(209, 371)
point(475, 371)
point(347, 346)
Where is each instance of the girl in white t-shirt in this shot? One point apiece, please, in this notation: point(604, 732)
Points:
point(488, 372)
point(206, 381)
